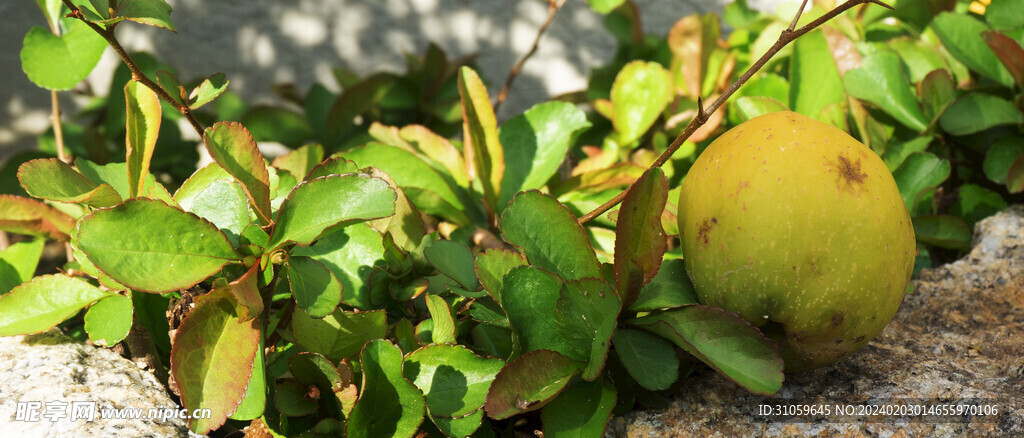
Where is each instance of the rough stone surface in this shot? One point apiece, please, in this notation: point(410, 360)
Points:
point(957, 337)
point(52, 367)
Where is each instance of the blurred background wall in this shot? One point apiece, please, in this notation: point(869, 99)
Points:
point(258, 43)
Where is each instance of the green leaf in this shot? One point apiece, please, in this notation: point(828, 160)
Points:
point(389, 405)
point(223, 203)
point(976, 203)
point(150, 12)
point(639, 94)
point(406, 225)
point(586, 314)
point(199, 181)
point(28, 216)
point(43, 302)
point(143, 125)
point(355, 100)
point(535, 143)
point(454, 380)
point(292, 399)
point(170, 83)
point(316, 290)
point(529, 297)
point(206, 91)
point(943, 230)
point(462, 426)
point(300, 161)
point(151, 246)
point(246, 292)
point(233, 148)
point(640, 241)
point(279, 125)
point(492, 266)
point(961, 34)
point(882, 81)
point(484, 154)
point(583, 410)
point(444, 330)
point(454, 260)
point(529, 382)
point(670, 288)
point(547, 232)
point(1000, 157)
point(814, 77)
point(410, 172)
point(18, 263)
point(748, 107)
point(919, 56)
point(323, 204)
point(116, 175)
point(212, 356)
point(1009, 53)
point(438, 149)
point(332, 166)
point(920, 172)
point(350, 254)
point(57, 181)
point(340, 334)
point(254, 402)
point(976, 112)
point(650, 359)
point(937, 92)
point(78, 51)
point(897, 153)
point(109, 320)
point(722, 340)
point(315, 369)
point(1005, 14)
point(604, 6)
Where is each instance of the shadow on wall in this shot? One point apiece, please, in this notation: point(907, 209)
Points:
point(259, 43)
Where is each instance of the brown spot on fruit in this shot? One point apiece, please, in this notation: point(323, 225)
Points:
point(837, 319)
point(702, 232)
point(849, 173)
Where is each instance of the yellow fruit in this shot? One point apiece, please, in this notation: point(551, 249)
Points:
point(801, 230)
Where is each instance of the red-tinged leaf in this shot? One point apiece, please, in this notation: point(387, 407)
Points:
point(300, 161)
point(528, 383)
point(28, 216)
point(640, 240)
point(437, 148)
point(233, 148)
point(482, 149)
point(245, 291)
point(722, 340)
point(208, 90)
point(1015, 178)
point(143, 126)
point(1008, 52)
point(692, 39)
point(212, 356)
point(55, 180)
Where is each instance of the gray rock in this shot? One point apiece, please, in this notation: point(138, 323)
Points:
point(50, 367)
point(956, 338)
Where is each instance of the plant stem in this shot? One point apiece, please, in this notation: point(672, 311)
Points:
point(137, 74)
point(553, 7)
point(142, 349)
point(786, 37)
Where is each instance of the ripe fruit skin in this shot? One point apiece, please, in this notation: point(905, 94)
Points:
point(801, 230)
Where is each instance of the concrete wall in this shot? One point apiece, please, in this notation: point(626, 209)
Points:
point(258, 43)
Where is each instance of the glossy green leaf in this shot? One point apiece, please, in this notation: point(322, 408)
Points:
point(340, 334)
point(483, 151)
point(109, 320)
point(461, 426)
point(961, 34)
point(897, 153)
point(919, 56)
point(919, 172)
point(1000, 157)
point(454, 260)
point(291, 399)
point(814, 77)
point(487, 311)
point(143, 125)
point(199, 181)
point(406, 226)
point(317, 206)
point(670, 288)
point(332, 166)
point(547, 232)
point(173, 250)
point(1015, 176)
point(57, 181)
point(586, 315)
point(976, 203)
point(650, 359)
point(206, 91)
point(315, 289)
point(882, 81)
point(492, 266)
point(28, 216)
point(943, 230)
point(748, 107)
point(315, 369)
point(975, 112)
point(170, 83)
point(454, 380)
point(18, 263)
point(444, 330)
point(389, 405)
point(722, 340)
point(439, 149)
point(116, 175)
point(1005, 14)
point(212, 356)
point(43, 302)
point(529, 382)
point(640, 241)
point(150, 12)
point(582, 410)
point(640, 92)
point(300, 161)
point(409, 172)
point(350, 253)
point(224, 204)
point(535, 143)
point(937, 92)
point(233, 148)
point(78, 50)
point(529, 297)
point(604, 6)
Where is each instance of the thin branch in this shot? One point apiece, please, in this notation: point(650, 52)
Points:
point(553, 7)
point(796, 17)
point(137, 74)
point(787, 36)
